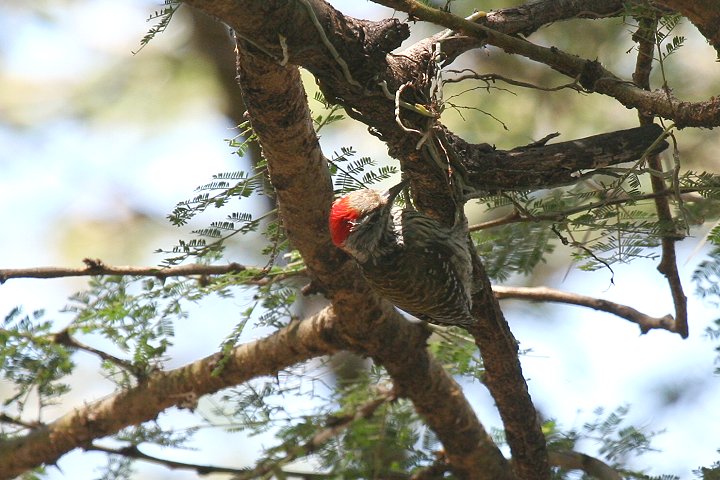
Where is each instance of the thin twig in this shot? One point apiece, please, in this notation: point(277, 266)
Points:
point(545, 294)
point(64, 338)
point(518, 217)
point(134, 452)
point(493, 77)
point(5, 418)
point(96, 267)
point(646, 38)
point(331, 48)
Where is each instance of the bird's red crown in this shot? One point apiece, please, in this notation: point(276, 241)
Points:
point(342, 219)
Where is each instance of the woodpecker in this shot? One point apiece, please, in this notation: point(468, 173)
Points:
point(414, 261)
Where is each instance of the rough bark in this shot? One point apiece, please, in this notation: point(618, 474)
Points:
point(350, 66)
point(275, 97)
point(298, 342)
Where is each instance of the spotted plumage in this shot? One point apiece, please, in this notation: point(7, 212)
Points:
point(420, 265)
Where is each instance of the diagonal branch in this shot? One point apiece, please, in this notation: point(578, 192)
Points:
point(505, 381)
point(592, 75)
point(340, 424)
point(522, 20)
point(298, 342)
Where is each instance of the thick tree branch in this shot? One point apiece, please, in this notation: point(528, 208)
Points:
point(522, 20)
point(276, 103)
point(545, 166)
point(545, 294)
point(591, 74)
point(298, 342)
point(505, 380)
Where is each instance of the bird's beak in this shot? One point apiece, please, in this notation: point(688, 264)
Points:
point(393, 191)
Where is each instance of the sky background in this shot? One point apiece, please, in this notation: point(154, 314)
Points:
point(97, 145)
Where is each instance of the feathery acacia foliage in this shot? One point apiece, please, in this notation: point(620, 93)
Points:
point(356, 427)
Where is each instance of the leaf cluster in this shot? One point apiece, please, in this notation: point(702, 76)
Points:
point(32, 360)
point(163, 18)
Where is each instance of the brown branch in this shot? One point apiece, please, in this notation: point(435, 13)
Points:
point(298, 342)
point(5, 418)
point(523, 20)
point(134, 452)
point(579, 461)
point(645, 36)
point(545, 294)
point(278, 108)
point(64, 338)
point(592, 75)
point(505, 381)
point(98, 267)
point(526, 18)
point(489, 78)
point(340, 424)
point(545, 166)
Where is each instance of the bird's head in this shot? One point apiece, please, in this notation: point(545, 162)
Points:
point(358, 213)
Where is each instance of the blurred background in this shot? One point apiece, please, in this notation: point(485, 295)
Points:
point(98, 144)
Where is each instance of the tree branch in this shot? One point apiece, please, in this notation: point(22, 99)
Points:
point(134, 452)
point(592, 75)
point(340, 424)
point(523, 20)
point(275, 97)
point(645, 36)
point(546, 166)
point(98, 267)
point(545, 294)
point(505, 381)
point(64, 338)
point(298, 342)
point(579, 461)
